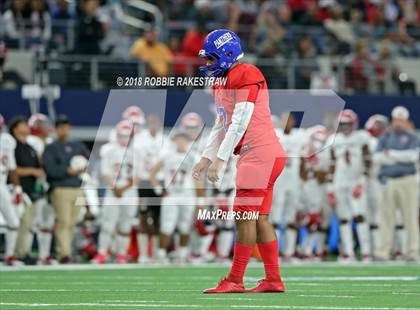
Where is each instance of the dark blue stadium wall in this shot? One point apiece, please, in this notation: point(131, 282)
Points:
point(85, 108)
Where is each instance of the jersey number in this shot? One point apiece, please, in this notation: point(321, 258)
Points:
point(223, 115)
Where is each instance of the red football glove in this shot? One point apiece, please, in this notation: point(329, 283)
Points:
point(357, 191)
point(18, 195)
point(332, 201)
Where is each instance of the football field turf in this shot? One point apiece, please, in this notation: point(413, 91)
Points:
point(315, 286)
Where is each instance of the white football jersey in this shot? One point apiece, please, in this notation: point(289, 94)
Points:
point(116, 161)
point(373, 144)
point(348, 151)
point(177, 172)
point(7, 156)
point(292, 144)
point(147, 150)
point(316, 162)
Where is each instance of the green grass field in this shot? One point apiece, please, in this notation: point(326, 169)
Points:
point(316, 286)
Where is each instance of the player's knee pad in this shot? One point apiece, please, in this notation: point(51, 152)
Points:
point(124, 228)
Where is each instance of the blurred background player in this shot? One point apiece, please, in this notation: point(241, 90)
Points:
point(350, 164)
point(147, 145)
point(8, 208)
point(314, 168)
point(120, 201)
point(286, 195)
point(65, 181)
point(376, 126)
point(44, 217)
point(398, 155)
point(178, 203)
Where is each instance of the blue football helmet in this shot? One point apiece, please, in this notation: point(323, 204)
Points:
point(224, 47)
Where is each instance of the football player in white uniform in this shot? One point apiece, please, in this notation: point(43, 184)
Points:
point(350, 164)
point(376, 125)
point(286, 195)
point(44, 217)
point(120, 201)
point(147, 145)
point(314, 168)
point(7, 203)
point(179, 202)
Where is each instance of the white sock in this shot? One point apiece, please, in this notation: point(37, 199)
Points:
point(346, 240)
point(224, 243)
point(363, 235)
point(290, 242)
point(161, 253)
point(183, 252)
point(122, 244)
point(155, 245)
point(104, 242)
point(11, 237)
point(205, 244)
point(44, 244)
point(142, 243)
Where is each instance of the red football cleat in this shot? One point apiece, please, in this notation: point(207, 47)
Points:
point(265, 286)
point(226, 286)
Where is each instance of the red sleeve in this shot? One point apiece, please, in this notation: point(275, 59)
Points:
point(246, 82)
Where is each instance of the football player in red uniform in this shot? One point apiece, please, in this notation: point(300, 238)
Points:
point(243, 127)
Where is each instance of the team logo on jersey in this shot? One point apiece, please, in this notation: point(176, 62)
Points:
point(222, 40)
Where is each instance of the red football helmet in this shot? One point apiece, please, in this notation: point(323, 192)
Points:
point(134, 114)
point(192, 119)
point(38, 123)
point(377, 124)
point(124, 130)
point(348, 121)
point(317, 137)
point(1, 121)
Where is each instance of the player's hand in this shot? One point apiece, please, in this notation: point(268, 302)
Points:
point(357, 191)
point(75, 172)
point(214, 169)
point(200, 168)
point(38, 173)
point(119, 191)
point(18, 195)
point(332, 201)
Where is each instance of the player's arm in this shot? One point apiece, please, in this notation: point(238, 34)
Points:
point(367, 158)
point(241, 118)
point(302, 171)
point(410, 155)
point(214, 140)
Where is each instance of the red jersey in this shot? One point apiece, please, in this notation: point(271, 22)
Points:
point(245, 82)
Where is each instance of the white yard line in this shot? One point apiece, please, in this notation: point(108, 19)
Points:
point(327, 296)
point(187, 306)
point(198, 266)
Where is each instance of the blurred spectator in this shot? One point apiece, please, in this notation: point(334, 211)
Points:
point(191, 45)
point(312, 16)
point(399, 80)
point(61, 16)
point(31, 178)
point(179, 67)
point(65, 181)
point(341, 30)
point(398, 155)
point(8, 78)
point(156, 55)
point(90, 31)
point(307, 63)
point(14, 20)
point(40, 23)
point(364, 74)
